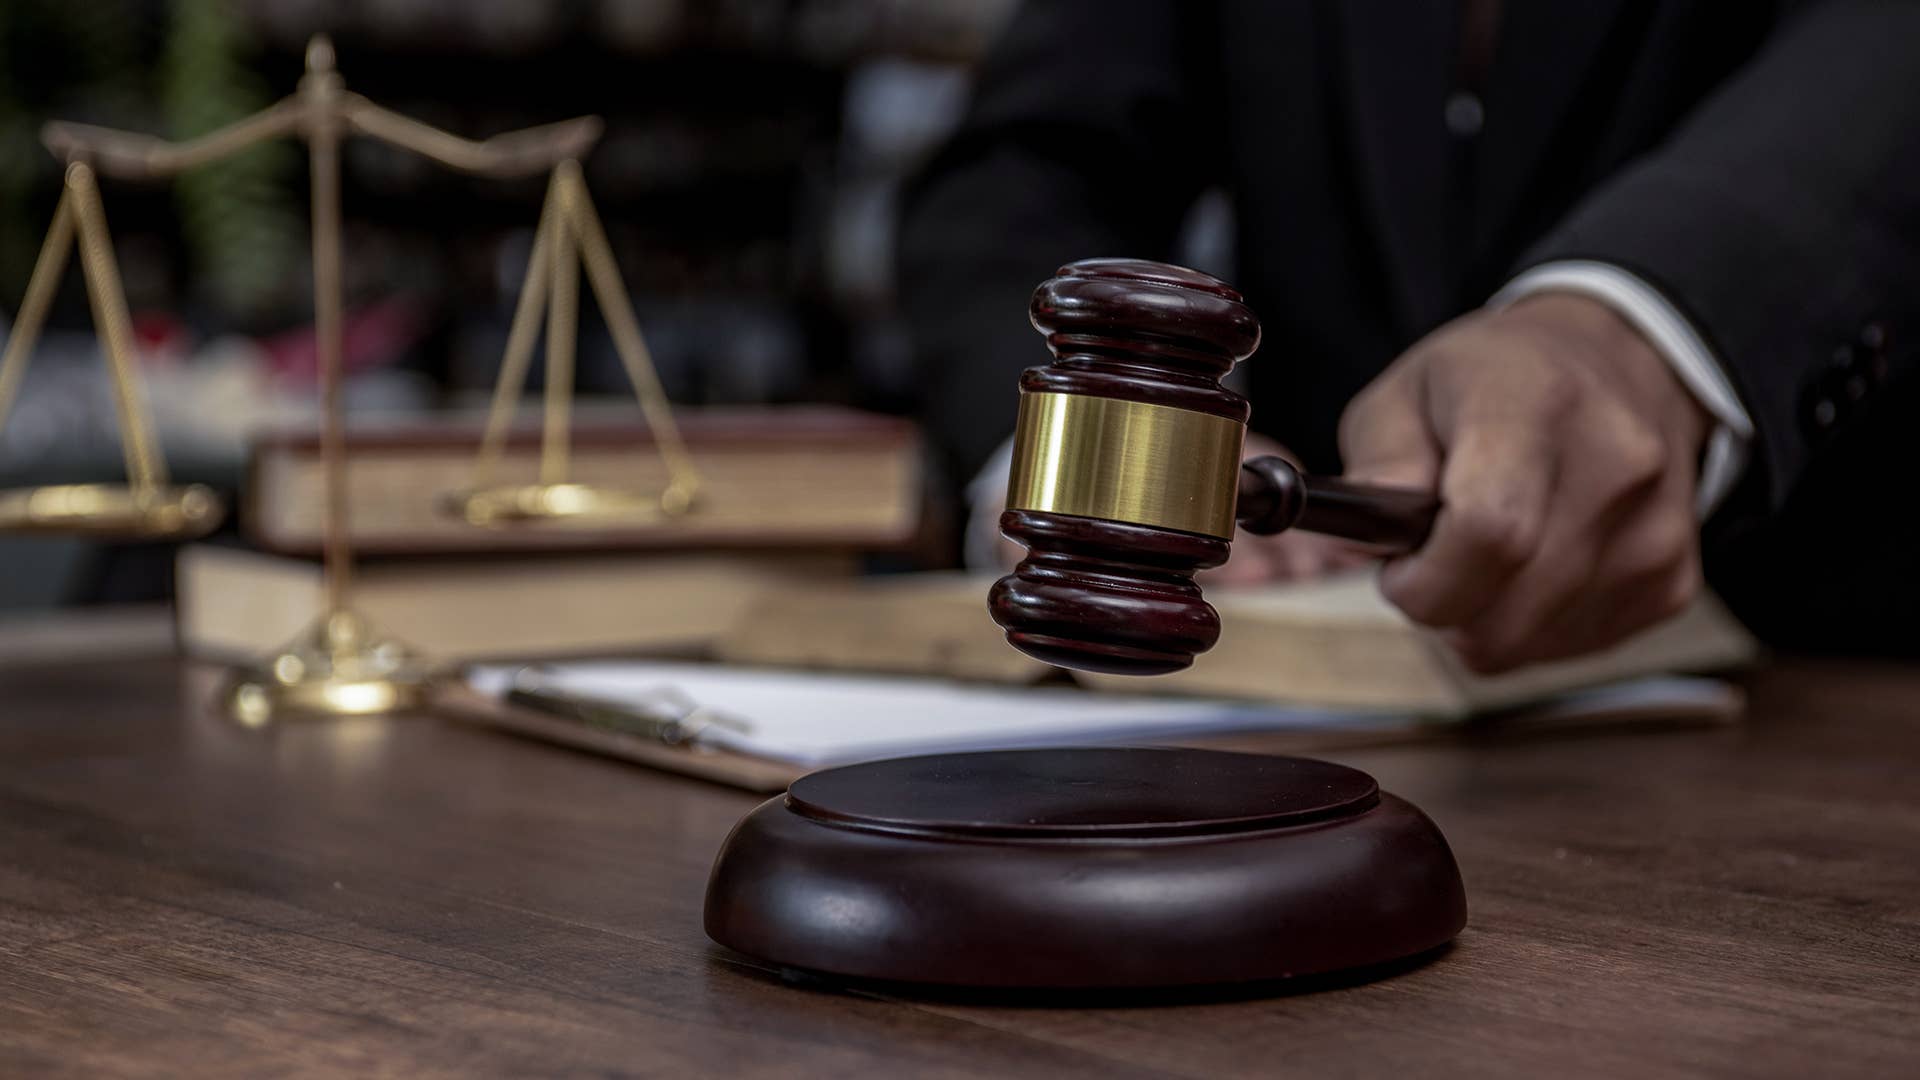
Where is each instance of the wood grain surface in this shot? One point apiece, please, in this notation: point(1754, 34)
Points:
point(411, 896)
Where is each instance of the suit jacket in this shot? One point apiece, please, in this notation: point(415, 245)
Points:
point(1758, 162)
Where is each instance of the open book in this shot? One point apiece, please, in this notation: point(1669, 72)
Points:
point(1331, 643)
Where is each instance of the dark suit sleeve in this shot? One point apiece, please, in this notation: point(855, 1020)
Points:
point(1083, 139)
point(1783, 218)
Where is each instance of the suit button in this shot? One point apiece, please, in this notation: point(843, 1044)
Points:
point(1872, 348)
point(1465, 115)
point(1829, 395)
point(1873, 337)
point(1818, 411)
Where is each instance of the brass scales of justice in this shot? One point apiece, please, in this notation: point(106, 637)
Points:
point(341, 666)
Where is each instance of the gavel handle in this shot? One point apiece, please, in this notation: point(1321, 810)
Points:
point(1275, 496)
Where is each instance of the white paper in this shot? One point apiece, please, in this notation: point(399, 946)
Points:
point(815, 718)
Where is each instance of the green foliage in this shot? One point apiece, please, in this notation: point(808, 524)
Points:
point(237, 215)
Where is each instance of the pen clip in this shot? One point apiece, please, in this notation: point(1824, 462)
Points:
point(665, 714)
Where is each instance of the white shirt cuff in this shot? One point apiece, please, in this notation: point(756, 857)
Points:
point(1677, 342)
point(987, 497)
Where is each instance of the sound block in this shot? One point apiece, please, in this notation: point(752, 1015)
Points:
point(1084, 869)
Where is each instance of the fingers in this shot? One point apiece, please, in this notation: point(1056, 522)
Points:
point(1496, 493)
point(1602, 511)
point(1385, 437)
point(1596, 620)
point(1566, 458)
point(1287, 556)
point(1648, 572)
point(1248, 563)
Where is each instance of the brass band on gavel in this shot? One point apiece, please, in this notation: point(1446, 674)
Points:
point(1128, 461)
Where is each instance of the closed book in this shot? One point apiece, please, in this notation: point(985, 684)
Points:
point(770, 478)
point(234, 604)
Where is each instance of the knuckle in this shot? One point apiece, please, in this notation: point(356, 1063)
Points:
point(1495, 642)
point(1639, 456)
point(1368, 406)
point(1679, 590)
point(1499, 535)
point(1483, 657)
point(1665, 548)
point(1454, 357)
point(1414, 602)
point(1656, 555)
point(1676, 531)
point(1558, 394)
point(1353, 422)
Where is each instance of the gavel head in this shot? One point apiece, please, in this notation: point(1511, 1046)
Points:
point(1126, 466)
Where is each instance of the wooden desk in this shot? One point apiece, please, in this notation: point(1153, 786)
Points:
point(413, 897)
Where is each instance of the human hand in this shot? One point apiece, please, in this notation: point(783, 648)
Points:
point(1565, 453)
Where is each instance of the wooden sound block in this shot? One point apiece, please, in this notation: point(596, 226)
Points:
point(1084, 869)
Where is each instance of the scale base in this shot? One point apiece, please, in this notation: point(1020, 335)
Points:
point(112, 511)
point(338, 667)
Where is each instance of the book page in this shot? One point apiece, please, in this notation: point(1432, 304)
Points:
point(1344, 598)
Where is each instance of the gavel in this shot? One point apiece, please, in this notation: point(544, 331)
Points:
point(1127, 476)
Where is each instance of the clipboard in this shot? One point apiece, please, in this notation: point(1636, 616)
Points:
point(662, 730)
point(458, 701)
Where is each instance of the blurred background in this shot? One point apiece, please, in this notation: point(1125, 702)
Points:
point(748, 179)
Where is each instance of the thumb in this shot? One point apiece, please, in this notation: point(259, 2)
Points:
point(1385, 438)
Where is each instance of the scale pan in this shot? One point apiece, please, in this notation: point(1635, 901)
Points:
point(112, 510)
